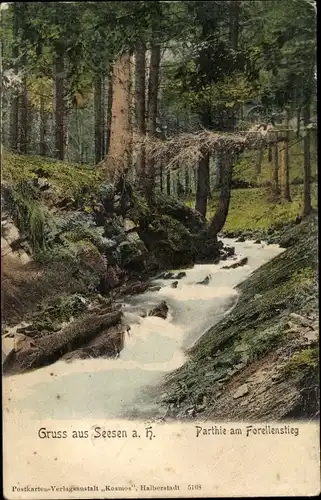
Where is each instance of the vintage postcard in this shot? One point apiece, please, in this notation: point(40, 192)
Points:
point(159, 249)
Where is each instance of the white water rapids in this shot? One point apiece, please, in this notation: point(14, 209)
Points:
point(116, 388)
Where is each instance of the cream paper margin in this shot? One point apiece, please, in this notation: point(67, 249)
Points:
point(222, 465)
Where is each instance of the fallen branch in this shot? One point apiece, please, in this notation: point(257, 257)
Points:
point(188, 149)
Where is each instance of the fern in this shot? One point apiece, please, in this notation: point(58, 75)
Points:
point(31, 218)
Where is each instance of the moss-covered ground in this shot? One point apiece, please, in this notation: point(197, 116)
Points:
point(67, 177)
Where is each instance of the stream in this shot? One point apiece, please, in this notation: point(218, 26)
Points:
point(122, 388)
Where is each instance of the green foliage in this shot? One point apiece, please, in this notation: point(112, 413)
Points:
point(32, 219)
point(281, 42)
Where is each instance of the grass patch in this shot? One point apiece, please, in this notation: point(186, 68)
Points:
point(251, 210)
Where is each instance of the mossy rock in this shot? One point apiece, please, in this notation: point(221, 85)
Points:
point(171, 207)
point(170, 241)
point(307, 359)
point(131, 251)
point(90, 257)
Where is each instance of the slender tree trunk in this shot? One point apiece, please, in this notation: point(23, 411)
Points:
point(202, 185)
point(298, 122)
point(307, 206)
point(187, 181)
point(168, 181)
point(270, 155)
point(234, 23)
point(286, 176)
point(234, 40)
point(221, 213)
point(203, 172)
point(219, 167)
point(43, 128)
point(140, 107)
point(102, 116)
point(259, 159)
point(24, 125)
point(14, 112)
point(32, 121)
point(60, 124)
point(98, 118)
point(161, 182)
point(14, 123)
point(118, 160)
point(152, 106)
point(109, 111)
point(275, 167)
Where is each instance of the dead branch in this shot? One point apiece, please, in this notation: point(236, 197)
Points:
point(185, 150)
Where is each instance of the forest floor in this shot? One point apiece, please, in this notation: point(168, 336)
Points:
point(261, 361)
point(251, 209)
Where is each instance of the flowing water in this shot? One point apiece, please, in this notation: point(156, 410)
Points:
point(114, 388)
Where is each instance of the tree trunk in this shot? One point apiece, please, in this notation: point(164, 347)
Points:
point(153, 86)
point(221, 213)
point(270, 155)
point(102, 116)
point(109, 111)
point(203, 170)
point(118, 160)
point(234, 27)
point(298, 122)
point(98, 118)
point(187, 181)
point(161, 185)
point(219, 167)
point(234, 24)
point(48, 349)
point(259, 158)
point(43, 128)
point(202, 184)
point(60, 133)
point(275, 167)
point(14, 123)
point(286, 164)
point(307, 207)
point(14, 112)
point(24, 125)
point(168, 182)
point(140, 107)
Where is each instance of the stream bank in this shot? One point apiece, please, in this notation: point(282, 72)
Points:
point(261, 361)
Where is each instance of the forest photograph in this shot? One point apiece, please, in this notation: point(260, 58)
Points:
point(159, 180)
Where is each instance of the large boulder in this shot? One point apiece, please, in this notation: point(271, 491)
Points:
point(114, 229)
point(170, 241)
point(167, 205)
point(131, 251)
